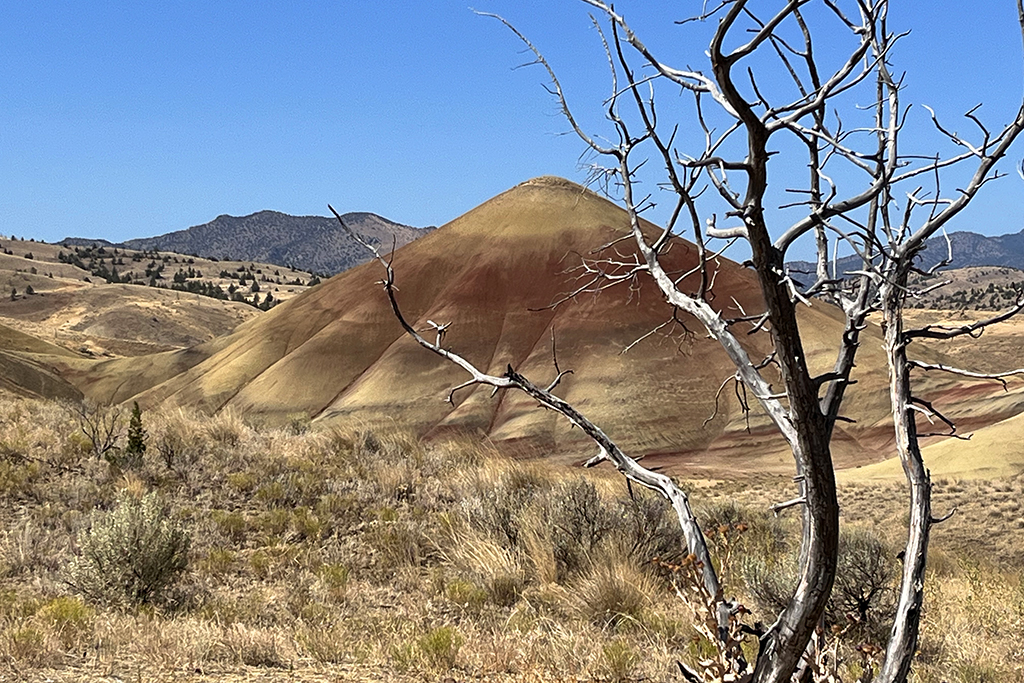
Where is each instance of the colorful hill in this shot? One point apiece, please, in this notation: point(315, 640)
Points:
point(336, 353)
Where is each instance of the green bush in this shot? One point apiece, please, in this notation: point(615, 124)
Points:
point(136, 448)
point(619, 660)
point(131, 555)
point(865, 589)
point(70, 619)
point(647, 528)
point(440, 647)
point(497, 508)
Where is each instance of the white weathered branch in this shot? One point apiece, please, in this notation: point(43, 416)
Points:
point(995, 376)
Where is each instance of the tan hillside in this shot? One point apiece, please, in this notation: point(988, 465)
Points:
point(993, 452)
point(25, 370)
point(68, 305)
point(989, 417)
point(336, 353)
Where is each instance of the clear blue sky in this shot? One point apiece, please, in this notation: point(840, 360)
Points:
point(130, 119)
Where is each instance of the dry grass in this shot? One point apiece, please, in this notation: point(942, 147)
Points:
point(327, 555)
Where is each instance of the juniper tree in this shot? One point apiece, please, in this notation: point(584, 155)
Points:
point(773, 88)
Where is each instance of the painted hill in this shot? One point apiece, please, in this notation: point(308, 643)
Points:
point(313, 243)
point(336, 352)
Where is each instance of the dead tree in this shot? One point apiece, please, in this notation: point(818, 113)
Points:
point(102, 426)
point(862, 192)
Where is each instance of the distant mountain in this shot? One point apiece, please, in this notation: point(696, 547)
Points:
point(969, 249)
point(313, 243)
point(310, 243)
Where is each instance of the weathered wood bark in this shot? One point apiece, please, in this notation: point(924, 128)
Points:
point(906, 624)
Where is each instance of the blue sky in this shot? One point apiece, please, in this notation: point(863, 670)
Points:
point(130, 119)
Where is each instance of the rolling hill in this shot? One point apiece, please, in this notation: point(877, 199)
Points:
point(61, 297)
point(25, 370)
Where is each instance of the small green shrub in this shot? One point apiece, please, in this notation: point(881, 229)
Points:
point(243, 482)
point(298, 423)
point(505, 588)
point(306, 525)
point(863, 598)
point(334, 578)
point(274, 523)
point(218, 561)
point(17, 477)
point(131, 555)
point(648, 528)
point(135, 450)
point(70, 618)
point(260, 564)
point(497, 508)
point(25, 645)
point(402, 655)
point(466, 595)
point(231, 524)
point(865, 588)
point(440, 646)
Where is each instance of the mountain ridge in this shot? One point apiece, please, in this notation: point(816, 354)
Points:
point(312, 243)
point(969, 249)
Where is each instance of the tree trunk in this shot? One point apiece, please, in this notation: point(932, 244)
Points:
point(905, 628)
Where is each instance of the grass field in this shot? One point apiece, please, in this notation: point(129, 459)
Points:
point(307, 554)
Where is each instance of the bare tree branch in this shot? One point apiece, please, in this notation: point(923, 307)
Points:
point(996, 376)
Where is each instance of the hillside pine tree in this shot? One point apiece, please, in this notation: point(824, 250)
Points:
point(136, 447)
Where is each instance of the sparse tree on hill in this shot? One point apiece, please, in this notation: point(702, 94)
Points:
point(839, 122)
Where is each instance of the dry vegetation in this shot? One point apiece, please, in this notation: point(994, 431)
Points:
point(318, 554)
